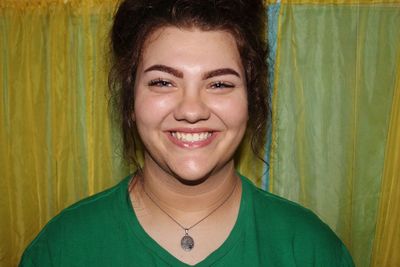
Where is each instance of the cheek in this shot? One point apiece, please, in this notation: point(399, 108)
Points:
point(147, 104)
point(232, 111)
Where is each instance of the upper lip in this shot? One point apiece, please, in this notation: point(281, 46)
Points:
point(191, 130)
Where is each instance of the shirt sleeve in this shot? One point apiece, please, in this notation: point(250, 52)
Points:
point(26, 262)
point(36, 255)
point(346, 259)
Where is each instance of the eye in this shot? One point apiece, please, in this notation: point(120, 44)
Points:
point(221, 85)
point(160, 83)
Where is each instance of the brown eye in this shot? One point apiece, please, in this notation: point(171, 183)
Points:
point(221, 85)
point(160, 83)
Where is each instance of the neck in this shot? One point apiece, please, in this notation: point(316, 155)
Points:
point(183, 200)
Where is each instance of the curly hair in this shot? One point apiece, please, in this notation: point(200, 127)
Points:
point(135, 20)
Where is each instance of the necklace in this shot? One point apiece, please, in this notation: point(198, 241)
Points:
point(187, 242)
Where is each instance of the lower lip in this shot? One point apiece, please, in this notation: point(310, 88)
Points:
point(192, 144)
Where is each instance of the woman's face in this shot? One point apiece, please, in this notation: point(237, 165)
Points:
point(190, 102)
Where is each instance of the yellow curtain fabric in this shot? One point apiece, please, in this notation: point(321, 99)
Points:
point(387, 236)
point(334, 83)
point(57, 144)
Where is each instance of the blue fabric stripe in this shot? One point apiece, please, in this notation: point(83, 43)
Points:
point(272, 32)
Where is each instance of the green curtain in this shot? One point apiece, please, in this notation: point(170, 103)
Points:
point(334, 83)
point(334, 116)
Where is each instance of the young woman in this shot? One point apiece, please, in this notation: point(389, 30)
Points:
point(189, 79)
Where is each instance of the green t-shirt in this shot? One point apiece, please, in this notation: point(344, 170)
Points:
point(103, 230)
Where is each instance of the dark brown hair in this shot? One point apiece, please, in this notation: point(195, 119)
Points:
point(135, 20)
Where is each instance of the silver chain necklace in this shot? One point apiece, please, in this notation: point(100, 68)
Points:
point(187, 242)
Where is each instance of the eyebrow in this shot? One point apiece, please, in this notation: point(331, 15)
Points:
point(179, 74)
point(220, 72)
point(166, 69)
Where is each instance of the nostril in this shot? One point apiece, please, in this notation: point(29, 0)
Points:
point(192, 110)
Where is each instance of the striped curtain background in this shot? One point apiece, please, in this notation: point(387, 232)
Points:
point(335, 118)
point(334, 145)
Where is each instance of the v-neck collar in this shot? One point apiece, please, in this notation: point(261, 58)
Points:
point(157, 250)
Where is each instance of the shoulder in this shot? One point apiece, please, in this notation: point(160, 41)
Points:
point(92, 208)
point(296, 229)
point(84, 221)
point(284, 213)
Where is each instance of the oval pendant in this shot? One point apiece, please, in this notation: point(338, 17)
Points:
point(187, 243)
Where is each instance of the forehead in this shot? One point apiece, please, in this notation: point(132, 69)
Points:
point(191, 44)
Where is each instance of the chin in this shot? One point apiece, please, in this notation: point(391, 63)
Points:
point(192, 177)
point(194, 174)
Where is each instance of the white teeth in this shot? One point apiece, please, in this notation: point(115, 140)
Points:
point(191, 137)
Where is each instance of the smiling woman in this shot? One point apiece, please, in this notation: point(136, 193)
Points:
point(189, 79)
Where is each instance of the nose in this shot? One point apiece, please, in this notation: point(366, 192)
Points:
point(192, 107)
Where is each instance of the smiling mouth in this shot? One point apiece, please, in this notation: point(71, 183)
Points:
point(191, 137)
